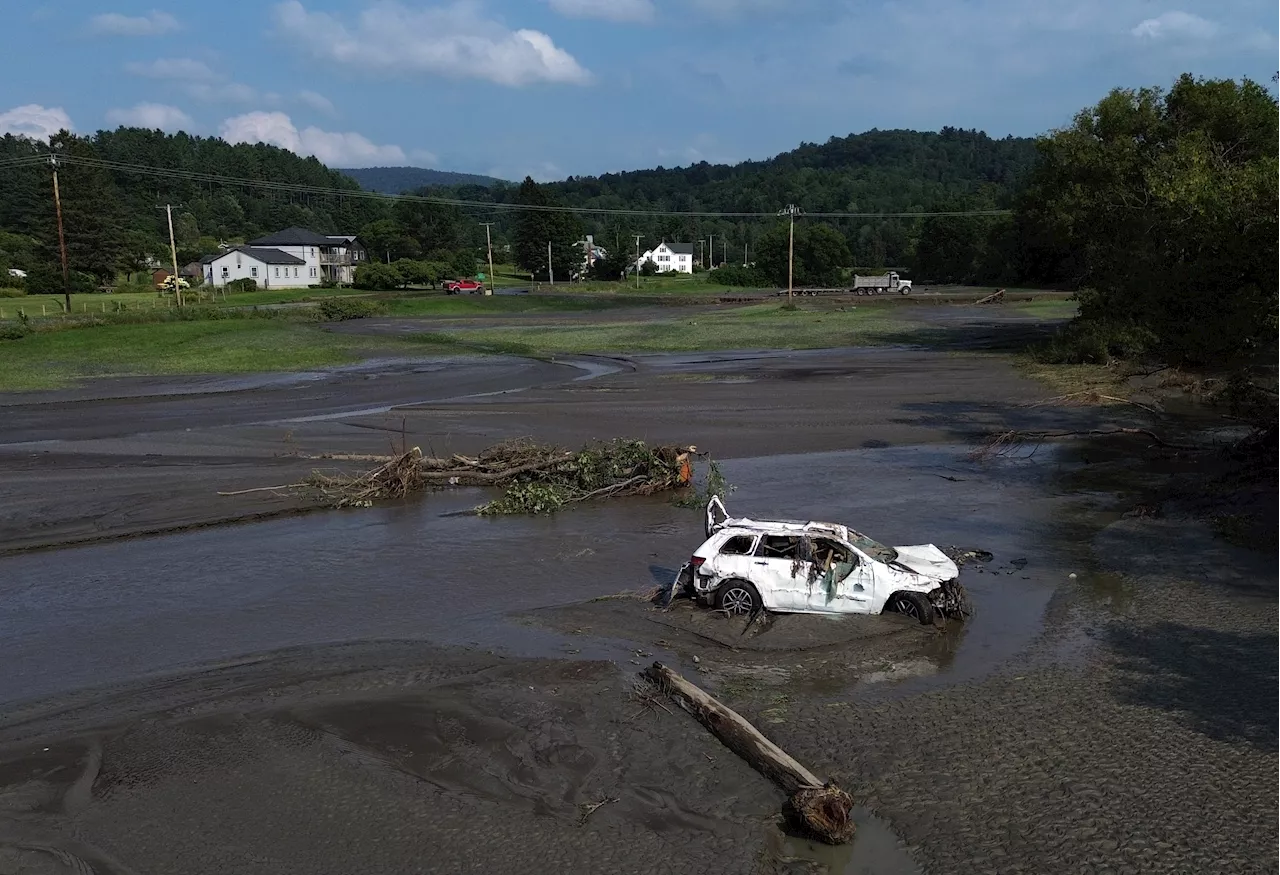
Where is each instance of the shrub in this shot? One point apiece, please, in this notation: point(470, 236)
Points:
point(12, 293)
point(378, 277)
point(1096, 342)
point(733, 275)
point(341, 309)
point(247, 284)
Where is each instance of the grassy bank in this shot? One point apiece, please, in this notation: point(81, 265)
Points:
point(47, 360)
point(762, 326)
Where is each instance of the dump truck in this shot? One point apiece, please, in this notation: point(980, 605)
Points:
point(879, 285)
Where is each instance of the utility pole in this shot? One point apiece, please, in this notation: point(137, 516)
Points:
point(744, 255)
point(639, 237)
point(702, 261)
point(711, 251)
point(724, 247)
point(62, 241)
point(488, 242)
point(173, 252)
point(791, 211)
point(551, 272)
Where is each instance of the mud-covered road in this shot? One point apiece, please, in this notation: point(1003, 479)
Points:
point(403, 690)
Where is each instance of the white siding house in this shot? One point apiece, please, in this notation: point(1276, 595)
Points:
point(269, 268)
point(670, 256)
point(290, 259)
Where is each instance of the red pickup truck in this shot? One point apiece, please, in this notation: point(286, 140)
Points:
point(463, 287)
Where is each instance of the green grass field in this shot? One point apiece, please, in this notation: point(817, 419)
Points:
point(49, 359)
point(1049, 308)
point(762, 326)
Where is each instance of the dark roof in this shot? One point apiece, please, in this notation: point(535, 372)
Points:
point(681, 248)
point(258, 253)
point(293, 237)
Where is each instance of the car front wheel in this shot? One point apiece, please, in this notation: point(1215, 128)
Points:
point(912, 604)
point(738, 598)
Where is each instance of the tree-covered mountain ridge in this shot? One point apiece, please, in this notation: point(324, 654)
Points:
point(874, 171)
point(397, 180)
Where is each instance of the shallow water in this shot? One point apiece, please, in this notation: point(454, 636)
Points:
point(104, 614)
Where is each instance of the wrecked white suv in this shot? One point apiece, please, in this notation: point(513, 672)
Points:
point(747, 565)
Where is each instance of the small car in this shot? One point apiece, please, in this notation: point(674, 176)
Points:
point(746, 566)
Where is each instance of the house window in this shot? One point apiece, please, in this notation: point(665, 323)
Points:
point(253, 271)
point(295, 271)
point(224, 270)
point(277, 271)
point(313, 271)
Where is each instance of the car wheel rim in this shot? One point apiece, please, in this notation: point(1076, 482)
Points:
point(905, 606)
point(737, 601)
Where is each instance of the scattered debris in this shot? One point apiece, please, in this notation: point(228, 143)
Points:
point(960, 556)
point(536, 478)
point(996, 297)
point(1089, 397)
point(1007, 441)
point(590, 808)
point(822, 808)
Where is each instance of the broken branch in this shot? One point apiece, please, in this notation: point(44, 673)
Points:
point(821, 808)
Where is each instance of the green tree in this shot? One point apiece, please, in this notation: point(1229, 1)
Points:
point(536, 228)
point(1170, 199)
point(820, 253)
point(375, 276)
point(948, 249)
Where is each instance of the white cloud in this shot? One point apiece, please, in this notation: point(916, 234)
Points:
point(422, 156)
point(334, 149)
point(726, 9)
point(151, 116)
point(317, 102)
point(222, 92)
point(185, 69)
point(609, 10)
point(154, 23)
point(452, 40)
point(1175, 24)
point(35, 121)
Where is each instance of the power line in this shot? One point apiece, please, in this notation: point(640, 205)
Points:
point(301, 188)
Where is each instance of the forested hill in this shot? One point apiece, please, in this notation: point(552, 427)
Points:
point(872, 172)
point(115, 218)
point(397, 180)
point(877, 171)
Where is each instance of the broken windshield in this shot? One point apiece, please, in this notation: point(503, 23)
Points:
point(873, 548)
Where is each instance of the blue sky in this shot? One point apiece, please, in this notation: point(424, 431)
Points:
point(558, 87)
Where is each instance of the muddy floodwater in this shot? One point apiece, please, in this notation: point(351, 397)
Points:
point(203, 683)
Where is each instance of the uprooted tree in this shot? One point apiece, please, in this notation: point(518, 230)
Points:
point(535, 478)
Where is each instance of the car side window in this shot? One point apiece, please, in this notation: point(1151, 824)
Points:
point(829, 553)
point(779, 547)
point(739, 545)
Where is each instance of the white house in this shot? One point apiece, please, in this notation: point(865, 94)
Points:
point(670, 256)
point(289, 259)
point(269, 268)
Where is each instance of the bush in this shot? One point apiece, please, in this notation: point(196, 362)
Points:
point(1095, 342)
point(378, 277)
point(733, 275)
point(12, 292)
point(236, 287)
point(648, 268)
point(341, 309)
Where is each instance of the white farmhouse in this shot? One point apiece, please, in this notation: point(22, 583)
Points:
point(290, 259)
point(670, 256)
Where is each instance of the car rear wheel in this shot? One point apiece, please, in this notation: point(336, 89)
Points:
point(738, 598)
point(912, 604)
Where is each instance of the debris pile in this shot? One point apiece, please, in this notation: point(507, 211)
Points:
point(535, 478)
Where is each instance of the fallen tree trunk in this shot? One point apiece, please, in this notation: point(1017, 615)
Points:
point(820, 807)
point(996, 297)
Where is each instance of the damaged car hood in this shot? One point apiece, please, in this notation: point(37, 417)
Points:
point(927, 560)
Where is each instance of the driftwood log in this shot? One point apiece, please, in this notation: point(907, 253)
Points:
point(996, 297)
point(821, 808)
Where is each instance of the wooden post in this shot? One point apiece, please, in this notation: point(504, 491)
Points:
point(822, 808)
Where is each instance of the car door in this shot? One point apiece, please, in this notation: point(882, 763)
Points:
point(844, 579)
point(781, 573)
point(734, 558)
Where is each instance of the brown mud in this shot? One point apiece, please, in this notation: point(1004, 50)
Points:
point(400, 689)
